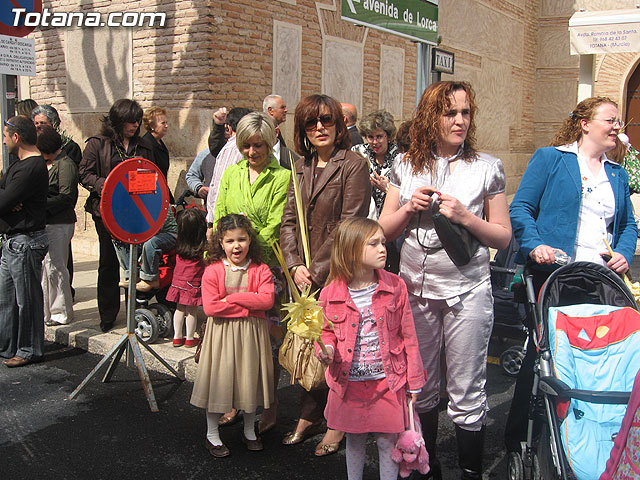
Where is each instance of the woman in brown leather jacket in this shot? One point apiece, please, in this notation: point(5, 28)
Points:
point(118, 141)
point(334, 185)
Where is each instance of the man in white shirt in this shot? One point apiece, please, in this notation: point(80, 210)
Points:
point(229, 155)
point(274, 106)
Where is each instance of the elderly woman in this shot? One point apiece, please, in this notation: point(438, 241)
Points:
point(118, 141)
point(61, 219)
point(570, 198)
point(334, 185)
point(155, 123)
point(452, 304)
point(48, 115)
point(379, 131)
point(257, 187)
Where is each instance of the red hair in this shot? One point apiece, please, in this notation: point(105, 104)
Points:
point(426, 130)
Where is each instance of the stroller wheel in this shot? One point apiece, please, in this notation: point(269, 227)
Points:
point(146, 325)
point(164, 318)
point(514, 465)
point(535, 468)
point(511, 360)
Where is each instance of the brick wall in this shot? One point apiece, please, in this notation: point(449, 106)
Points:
point(208, 54)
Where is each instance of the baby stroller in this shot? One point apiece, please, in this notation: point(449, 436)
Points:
point(508, 311)
point(154, 320)
point(588, 341)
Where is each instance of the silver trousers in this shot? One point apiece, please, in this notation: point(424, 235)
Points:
point(461, 327)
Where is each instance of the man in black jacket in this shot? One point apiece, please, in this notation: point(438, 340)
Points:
point(23, 203)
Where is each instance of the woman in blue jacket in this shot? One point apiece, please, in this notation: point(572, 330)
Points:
point(571, 197)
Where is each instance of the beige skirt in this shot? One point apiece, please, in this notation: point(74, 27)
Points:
point(236, 367)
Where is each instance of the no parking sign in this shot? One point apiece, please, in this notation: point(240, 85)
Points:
point(135, 201)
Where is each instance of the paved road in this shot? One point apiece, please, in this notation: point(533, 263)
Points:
point(109, 431)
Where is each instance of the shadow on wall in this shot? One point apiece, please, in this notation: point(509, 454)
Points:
point(170, 69)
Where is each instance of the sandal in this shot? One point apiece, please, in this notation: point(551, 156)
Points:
point(293, 438)
point(323, 449)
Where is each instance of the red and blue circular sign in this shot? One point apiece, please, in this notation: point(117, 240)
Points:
point(8, 17)
point(134, 201)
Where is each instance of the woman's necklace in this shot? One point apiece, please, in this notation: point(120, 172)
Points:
point(123, 154)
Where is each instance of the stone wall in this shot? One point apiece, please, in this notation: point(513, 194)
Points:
point(495, 46)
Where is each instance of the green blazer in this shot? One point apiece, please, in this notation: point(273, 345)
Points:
point(263, 202)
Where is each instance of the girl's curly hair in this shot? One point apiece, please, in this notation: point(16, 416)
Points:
point(232, 221)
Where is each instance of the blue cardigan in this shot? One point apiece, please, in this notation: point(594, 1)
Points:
point(546, 206)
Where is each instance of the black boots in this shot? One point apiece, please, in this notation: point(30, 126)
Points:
point(470, 449)
point(429, 421)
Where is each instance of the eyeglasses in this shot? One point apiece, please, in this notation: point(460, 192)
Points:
point(611, 121)
point(376, 138)
point(326, 121)
point(10, 124)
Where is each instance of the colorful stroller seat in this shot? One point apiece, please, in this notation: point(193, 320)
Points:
point(596, 352)
point(588, 352)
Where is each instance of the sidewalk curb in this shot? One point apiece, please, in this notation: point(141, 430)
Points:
point(87, 337)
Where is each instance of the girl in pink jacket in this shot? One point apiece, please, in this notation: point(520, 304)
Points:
point(235, 369)
point(373, 357)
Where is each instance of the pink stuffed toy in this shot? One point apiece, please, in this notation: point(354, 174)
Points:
point(410, 451)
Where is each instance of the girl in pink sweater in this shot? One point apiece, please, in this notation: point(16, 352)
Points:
point(235, 369)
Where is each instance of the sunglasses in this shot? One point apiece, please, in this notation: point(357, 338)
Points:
point(326, 121)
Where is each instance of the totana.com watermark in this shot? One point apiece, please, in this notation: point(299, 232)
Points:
point(87, 19)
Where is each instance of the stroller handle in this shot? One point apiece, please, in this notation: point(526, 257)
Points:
point(556, 387)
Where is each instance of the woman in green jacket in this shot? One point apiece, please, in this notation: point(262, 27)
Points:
point(257, 187)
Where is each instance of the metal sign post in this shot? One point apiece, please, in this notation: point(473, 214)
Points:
point(133, 206)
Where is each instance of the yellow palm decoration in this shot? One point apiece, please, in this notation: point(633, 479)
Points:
point(304, 315)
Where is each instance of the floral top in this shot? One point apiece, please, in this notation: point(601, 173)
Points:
point(365, 150)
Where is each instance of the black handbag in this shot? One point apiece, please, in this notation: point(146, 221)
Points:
point(457, 241)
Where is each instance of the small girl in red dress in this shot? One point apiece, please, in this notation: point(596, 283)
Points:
point(373, 356)
point(187, 276)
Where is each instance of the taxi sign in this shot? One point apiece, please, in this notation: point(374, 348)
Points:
point(135, 201)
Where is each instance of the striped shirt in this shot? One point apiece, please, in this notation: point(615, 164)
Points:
point(229, 155)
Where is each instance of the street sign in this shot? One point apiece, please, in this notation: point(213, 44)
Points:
point(135, 200)
point(7, 17)
point(442, 61)
point(17, 56)
point(414, 19)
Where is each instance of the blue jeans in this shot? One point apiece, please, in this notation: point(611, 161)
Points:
point(152, 249)
point(21, 301)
